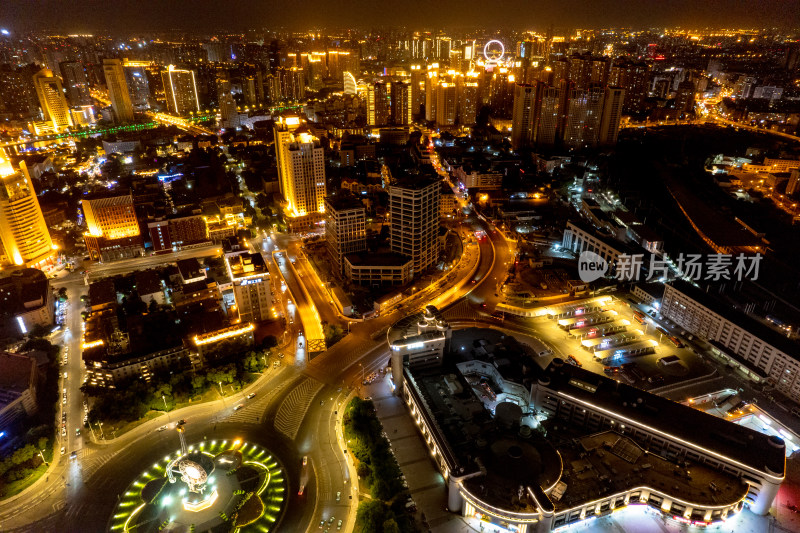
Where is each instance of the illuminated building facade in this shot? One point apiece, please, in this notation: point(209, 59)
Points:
point(23, 232)
point(251, 287)
point(118, 90)
point(401, 104)
point(349, 83)
point(177, 233)
point(525, 117)
point(301, 167)
point(378, 109)
point(345, 226)
point(180, 88)
point(414, 221)
point(55, 109)
point(446, 103)
point(113, 230)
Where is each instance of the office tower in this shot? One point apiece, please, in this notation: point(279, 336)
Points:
point(469, 100)
point(377, 104)
point(345, 226)
point(525, 117)
point(52, 100)
point(414, 220)
point(583, 117)
point(180, 88)
point(23, 233)
point(417, 88)
point(613, 101)
point(551, 100)
point(113, 230)
point(349, 83)
point(431, 85)
point(633, 77)
point(118, 90)
point(251, 287)
point(401, 104)
point(446, 103)
point(138, 83)
point(75, 83)
point(301, 167)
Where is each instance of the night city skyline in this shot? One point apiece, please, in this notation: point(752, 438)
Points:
point(421, 267)
point(208, 16)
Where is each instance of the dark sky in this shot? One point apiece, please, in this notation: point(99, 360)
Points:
point(213, 15)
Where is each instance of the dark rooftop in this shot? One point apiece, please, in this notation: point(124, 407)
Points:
point(342, 200)
point(378, 260)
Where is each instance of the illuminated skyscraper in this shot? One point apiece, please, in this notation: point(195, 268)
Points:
point(349, 83)
point(401, 104)
point(118, 90)
point(180, 88)
point(446, 103)
point(612, 113)
point(301, 167)
point(377, 104)
point(75, 83)
point(23, 233)
point(431, 85)
point(414, 220)
point(52, 100)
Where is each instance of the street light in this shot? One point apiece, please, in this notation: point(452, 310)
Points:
point(43, 459)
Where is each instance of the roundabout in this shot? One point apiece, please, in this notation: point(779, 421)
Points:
point(210, 486)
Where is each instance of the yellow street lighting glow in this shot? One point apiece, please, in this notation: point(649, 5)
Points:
point(93, 344)
point(224, 335)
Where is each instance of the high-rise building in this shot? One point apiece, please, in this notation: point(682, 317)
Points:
point(23, 233)
point(684, 99)
point(417, 88)
point(550, 116)
point(138, 83)
point(229, 114)
point(118, 90)
point(345, 226)
point(17, 94)
point(469, 100)
point(401, 104)
point(113, 230)
point(52, 100)
point(180, 88)
point(75, 83)
point(446, 103)
point(431, 85)
point(414, 220)
point(292, 83)
point(301, 167)
point(584, 112)
point(251, 287)
point(633, 77)
point(377, 104)
point(525, 117)
point(501, 92)
point(349, 83)
point(613, 101)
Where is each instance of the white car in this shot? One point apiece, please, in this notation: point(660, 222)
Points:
point(63, 450)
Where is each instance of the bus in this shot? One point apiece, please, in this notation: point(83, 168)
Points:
point(676, 342)
point(638, 317)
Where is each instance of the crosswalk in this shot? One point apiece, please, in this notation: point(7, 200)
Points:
point(461, 310)
point(253, 410)
point(294, 407)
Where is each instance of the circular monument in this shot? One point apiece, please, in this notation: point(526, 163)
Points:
point(211, 486)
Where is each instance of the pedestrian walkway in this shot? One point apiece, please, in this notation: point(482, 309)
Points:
point(293, 409)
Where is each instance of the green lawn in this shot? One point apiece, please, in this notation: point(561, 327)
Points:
point(15, 487)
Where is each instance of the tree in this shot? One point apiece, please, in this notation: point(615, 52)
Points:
point(390, 526)
point(270, 341)
point(370, 516)
point(153, 306)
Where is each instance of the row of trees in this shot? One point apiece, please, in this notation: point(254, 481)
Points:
point(378, 470)
point(22, 463)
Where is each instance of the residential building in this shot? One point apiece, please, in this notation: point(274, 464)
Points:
point(401, 104)
point(75, 83)
point(176, 233)
point(611, 115)
point(180, 88)
point(378, 108)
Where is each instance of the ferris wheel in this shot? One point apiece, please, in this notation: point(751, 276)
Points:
point(494, 51)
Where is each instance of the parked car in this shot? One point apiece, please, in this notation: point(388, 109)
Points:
point(251, 395)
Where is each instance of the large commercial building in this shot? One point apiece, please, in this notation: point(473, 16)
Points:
point(118, 90)
point(301, 168)
point(176, 233)
point(113, 230)
point(345, 227)
point(414, 221)
point(757, 351)
point(532, 447)
point(180, 88)
point(24, 235)
point(55, 110)
point(251, 287)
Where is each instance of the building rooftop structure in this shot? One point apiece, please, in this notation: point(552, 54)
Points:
point(190, 270)
point(381, 259)
point(246, 265)
point(17, 374)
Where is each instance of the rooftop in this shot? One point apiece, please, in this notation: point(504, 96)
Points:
point(15, 373)
point(343, 200)
point(386, 259)
point(247, 264)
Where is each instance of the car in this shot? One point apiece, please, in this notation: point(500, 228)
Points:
point(571, 360)
point(63, 450)
point(73, 455)
point(238, 407)
point(338, 496)
point(63, 431)
point(162, 428)
point(330, 520)
point(280, 354)
point(65, 375)
point(302, 489)
point(339, 525)
point(368, 398)
point(321, 523)
point(251, 395)
point(77, 432)
point(64, 401)
point(305, 460)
